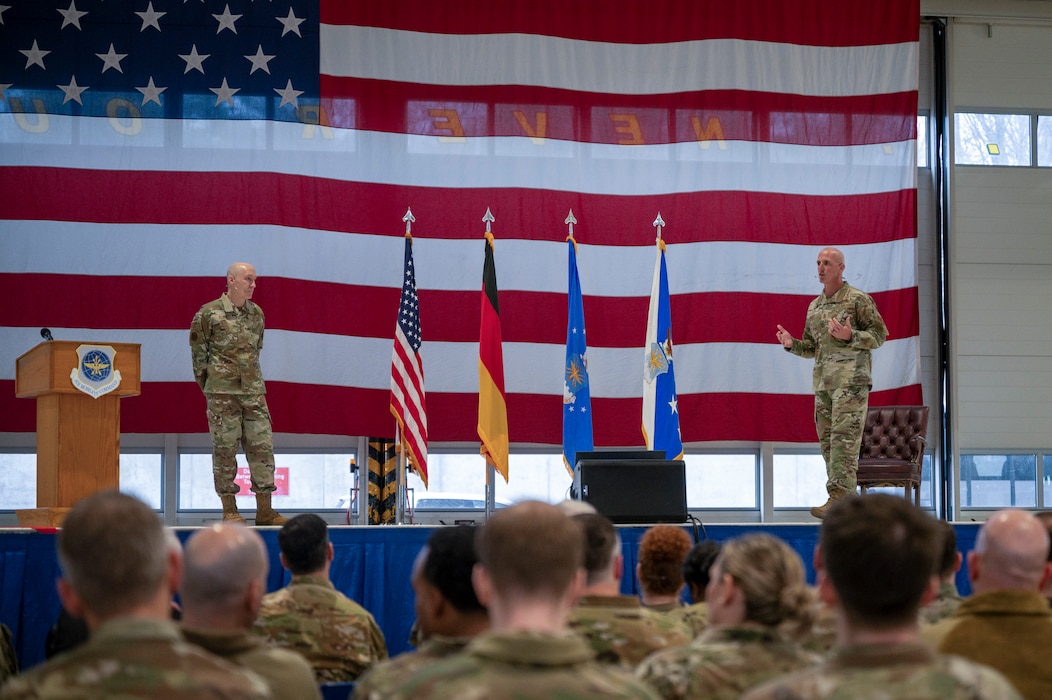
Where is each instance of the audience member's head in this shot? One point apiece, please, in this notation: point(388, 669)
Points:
point(530, 554)
point(1011, 553)
point(1045, 517)
point(116, 560)
point(759, 578)
point(305, 546)
point(603, 562)
point(949, 558)
point(879, 554)
point(661, 554)
point(446, 603)
point(224, 577)
point(696, 567)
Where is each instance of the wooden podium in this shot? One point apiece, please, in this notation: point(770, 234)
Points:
point(78, 436)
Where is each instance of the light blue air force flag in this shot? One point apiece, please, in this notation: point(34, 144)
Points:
point(660, 403)
point(577, 400)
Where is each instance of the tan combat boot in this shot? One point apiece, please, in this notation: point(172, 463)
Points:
point(820, 511)
point(230, 513)
point(265, 514)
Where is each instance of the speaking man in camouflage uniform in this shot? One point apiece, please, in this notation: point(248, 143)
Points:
point(843, 326)
point(223, 585)
point(528, 576)
point(226, 337)
point(119, 571)
point(620, 630)
point(337, 636)
point(876, 565)
point(448, 613)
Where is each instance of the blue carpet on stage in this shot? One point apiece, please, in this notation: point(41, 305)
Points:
point(372, 566)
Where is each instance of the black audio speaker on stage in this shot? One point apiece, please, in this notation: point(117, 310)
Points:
point(632, 487)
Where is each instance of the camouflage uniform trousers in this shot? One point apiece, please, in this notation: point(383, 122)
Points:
point(234, 420)
point(840, 416)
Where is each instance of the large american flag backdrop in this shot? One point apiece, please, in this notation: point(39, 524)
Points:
point(145, 145)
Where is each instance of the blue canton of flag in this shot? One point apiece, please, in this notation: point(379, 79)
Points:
point(577, 399)
point(660, 402)
point(161, 59)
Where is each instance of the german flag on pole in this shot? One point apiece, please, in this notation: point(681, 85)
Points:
point(493, 410)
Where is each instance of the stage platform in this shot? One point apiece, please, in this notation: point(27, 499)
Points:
point(372, 566)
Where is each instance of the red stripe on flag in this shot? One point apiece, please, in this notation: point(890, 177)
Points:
point(532, 317)
point(62, 194)
point(794, 21)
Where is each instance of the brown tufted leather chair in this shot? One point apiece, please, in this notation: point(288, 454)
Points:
point(893, 448)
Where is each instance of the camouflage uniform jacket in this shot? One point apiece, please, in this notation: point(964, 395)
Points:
point(880, 671)
point(385, 677)
point(622, 632)
point(225, 342)
point(132, 658)
point(522, 666)
point(942, 606)
point(1010, 631)
point(287, 673)
point(337, 636)
point(695, 616)
point(723, 662)
point(840, 363)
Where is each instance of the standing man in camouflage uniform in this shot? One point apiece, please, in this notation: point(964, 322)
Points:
point(843, 326)
point(119, 572)
point(226, 337)
point(338, 637)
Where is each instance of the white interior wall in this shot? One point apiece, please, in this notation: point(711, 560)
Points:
point(1000, 240)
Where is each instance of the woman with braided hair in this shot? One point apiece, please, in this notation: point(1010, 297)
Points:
point(760, 607)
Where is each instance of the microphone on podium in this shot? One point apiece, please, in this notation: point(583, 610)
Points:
point(45, 333)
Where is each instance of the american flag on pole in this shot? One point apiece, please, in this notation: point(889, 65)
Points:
point(407, 368)
point(145, 146)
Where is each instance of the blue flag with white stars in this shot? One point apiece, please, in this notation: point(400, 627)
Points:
point(577, 399)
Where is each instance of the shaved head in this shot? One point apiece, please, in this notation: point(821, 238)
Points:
point(239, 269)
point(834, 253)
point(1011, 552)
point(240, 283)
point(221, 562)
